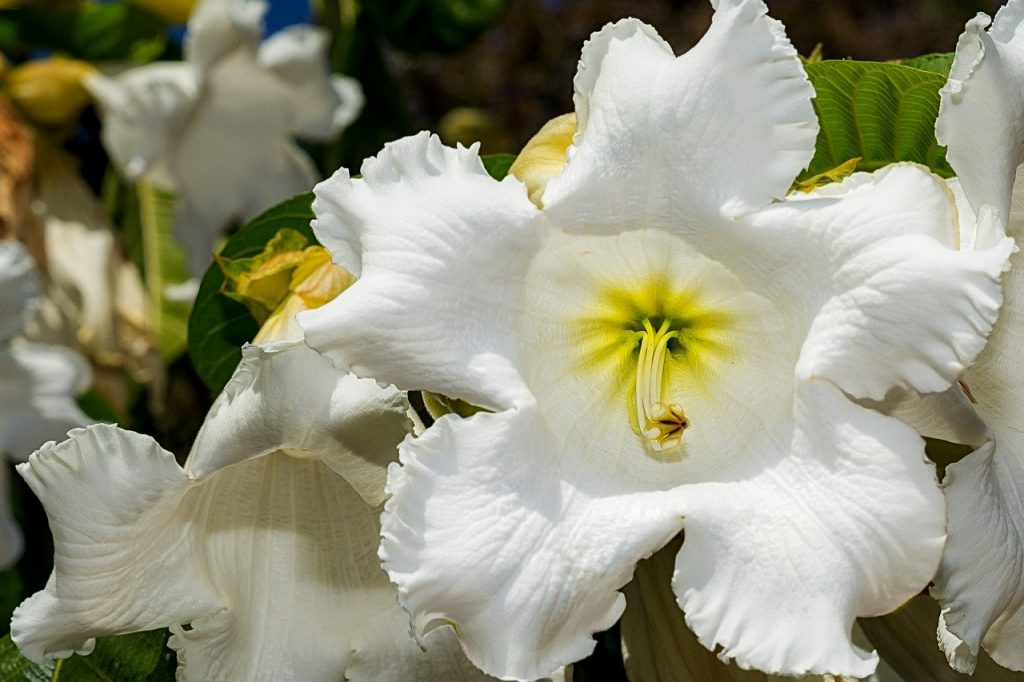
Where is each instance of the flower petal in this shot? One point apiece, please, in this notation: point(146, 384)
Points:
point(486, 532)
point(980, 582)
point(141, 110)
point(38, 385)
point(322, 104)
point(123, 561)
point(888, 264)
point(730, 122)
point(977, 98)
point(291, 398)
point(659, 646)
point(948, 416)
point(906, 640)
point(217, 27)
point(292, 550)
point(850, 524)
point(212, 166)
point(19, 287)
point(410, 228)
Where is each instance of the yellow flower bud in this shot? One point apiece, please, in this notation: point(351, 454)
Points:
point(285, 279)
point(543, 157)
point(49, 92)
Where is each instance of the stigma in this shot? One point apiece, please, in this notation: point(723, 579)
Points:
point(661, 423)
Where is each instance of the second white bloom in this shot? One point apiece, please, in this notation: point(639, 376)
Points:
point(664, 349)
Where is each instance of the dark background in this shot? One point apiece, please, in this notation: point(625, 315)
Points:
point(520, 70)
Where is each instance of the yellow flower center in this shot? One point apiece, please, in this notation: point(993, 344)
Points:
point(656, 344)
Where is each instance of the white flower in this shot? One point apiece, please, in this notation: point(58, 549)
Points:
point(218, 128)
point(980, 582)
point(663, 349)
point(38, 384)
point(93, 299)
point(265, 543)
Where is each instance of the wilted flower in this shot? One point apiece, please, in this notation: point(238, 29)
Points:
point(219, 127)
point(664, 347)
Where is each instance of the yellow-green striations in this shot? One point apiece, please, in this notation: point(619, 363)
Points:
point(648, 340)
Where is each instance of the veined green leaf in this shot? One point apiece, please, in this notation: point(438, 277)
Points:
point(878, 112)
point(139, 657)
point(940, 62)
point(498, 164)
point(219, 326)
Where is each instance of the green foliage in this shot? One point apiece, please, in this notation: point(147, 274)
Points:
point(357, 52)
point(163, 265)
point(139, 657)
point(15, 668)
point(498, 164)
point(219, 326)
point(90, 31)
point(937, 63)
point(275, 265)
point(95, 407)
point(878, 112)
point(433, 25)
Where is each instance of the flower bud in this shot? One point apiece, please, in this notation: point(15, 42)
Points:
point(49, 92)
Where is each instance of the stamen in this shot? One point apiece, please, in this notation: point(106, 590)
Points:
point(662, 424)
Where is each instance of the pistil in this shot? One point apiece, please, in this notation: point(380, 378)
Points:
point(661, 423)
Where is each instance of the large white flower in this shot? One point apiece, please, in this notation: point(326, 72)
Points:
point(981, 580)
point(38, 384)
point(260, 554)
point(218, 128)
point(663, 347)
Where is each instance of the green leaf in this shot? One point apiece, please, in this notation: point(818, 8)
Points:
point(16, 668)
point(148, 235)
point(498, 164)
point(91, 31)
point(940, 62)
point(219, 326)
point(138, 657)
point(879, 112)
point(98, 409)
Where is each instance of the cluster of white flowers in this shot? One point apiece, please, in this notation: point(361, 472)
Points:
point(661, 339)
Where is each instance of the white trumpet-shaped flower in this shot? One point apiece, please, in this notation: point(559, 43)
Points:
point(38, 384)
point(664, 345)
point(260, 553)
point(980, 582)
point(219, 127)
